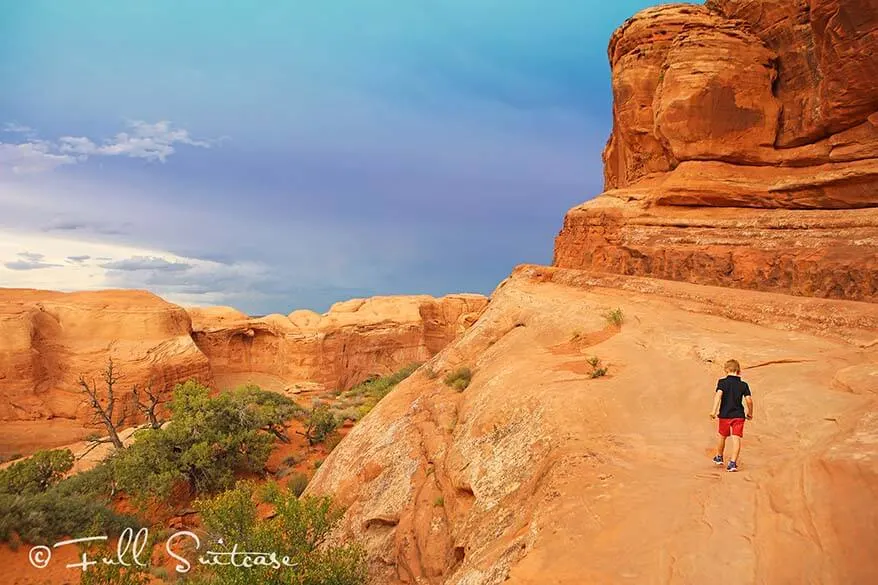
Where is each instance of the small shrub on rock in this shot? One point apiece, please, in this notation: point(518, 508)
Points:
point(459, 379)
point(615, 317)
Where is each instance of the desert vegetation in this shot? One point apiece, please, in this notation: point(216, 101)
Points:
point(459, 379)
point(598, 369)
point(297, 529)
point(615, 317)
point(207, 455)
point(38, 505)
point(208, 441)
point(358, 401)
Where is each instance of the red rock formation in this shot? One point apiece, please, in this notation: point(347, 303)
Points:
point(354, 340)
point(540, 473)
point(744, 151)
point(48, 339)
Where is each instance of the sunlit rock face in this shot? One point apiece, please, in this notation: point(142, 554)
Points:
point(744, 151)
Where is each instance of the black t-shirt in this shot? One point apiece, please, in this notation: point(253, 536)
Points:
point(734, 390)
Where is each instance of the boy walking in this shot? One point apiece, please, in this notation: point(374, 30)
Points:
point(732, 403)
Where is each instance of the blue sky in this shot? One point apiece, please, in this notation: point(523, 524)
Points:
point(275, 155)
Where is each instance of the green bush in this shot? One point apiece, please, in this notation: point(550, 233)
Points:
point(321, 422)
point(368, 393)
point(208, 440)
point(37, 473)
point(459, 379)
point(299, 529)
point(48, 516)
point(40, 507)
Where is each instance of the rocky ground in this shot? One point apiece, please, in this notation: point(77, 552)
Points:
point(538, 471)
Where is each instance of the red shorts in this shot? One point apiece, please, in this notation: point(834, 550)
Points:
point(731, 426)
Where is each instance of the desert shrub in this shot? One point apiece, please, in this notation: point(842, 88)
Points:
point(298, 482)
point(459, 379)
point(46, 517)
point(36, 473)
point(352, 413)
point(208, 440)
point(368, 393)
point(615, 317)
point(40, 507)
point(439, 501)
point(597, 369)
point(298, 529)
point(320, 423)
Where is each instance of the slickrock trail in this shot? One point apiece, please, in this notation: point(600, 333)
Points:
point(540, 473)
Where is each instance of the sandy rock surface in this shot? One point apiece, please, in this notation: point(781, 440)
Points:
point(538, 472)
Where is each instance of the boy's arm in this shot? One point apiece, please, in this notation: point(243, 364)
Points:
point(717, 400)
point(748, 406)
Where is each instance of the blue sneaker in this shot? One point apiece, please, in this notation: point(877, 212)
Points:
point(718, 460)
point(732, 466)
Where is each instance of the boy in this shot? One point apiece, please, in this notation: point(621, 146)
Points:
point(732, 403)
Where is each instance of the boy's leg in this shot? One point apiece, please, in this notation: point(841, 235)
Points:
point(736, 448)
point(737, 428)
point(720, 445)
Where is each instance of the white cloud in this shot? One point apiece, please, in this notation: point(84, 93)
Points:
point(31, 157)
point(17, 128)
point(31, 260)
point(153, 142)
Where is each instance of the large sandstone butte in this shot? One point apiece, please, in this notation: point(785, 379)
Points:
point(744, 151)
point(48, 339)
point(743, 155)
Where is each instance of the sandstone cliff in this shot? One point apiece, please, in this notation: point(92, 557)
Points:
point(48, 339)
point(744, 151)
point(354, 340)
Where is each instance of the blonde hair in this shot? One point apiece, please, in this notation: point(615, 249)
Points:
point(732, 366)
